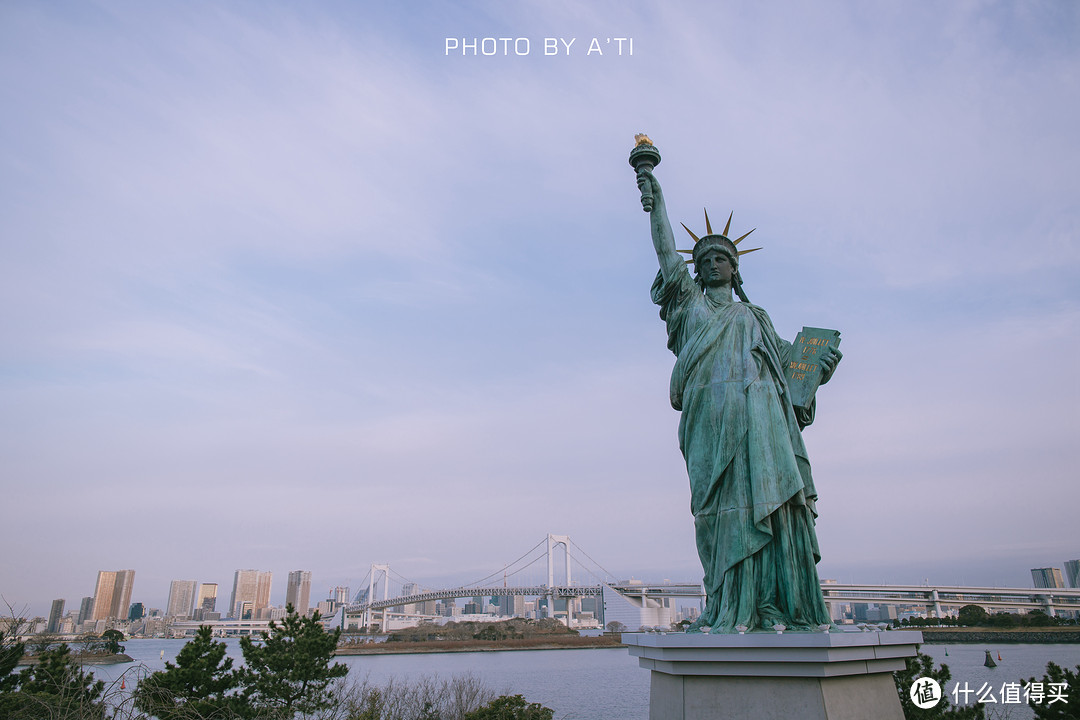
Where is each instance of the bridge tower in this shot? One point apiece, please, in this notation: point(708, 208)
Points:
point(553, 541)
point(372, 584)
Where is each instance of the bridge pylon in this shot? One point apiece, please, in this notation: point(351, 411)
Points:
point(553, 542)
point(369, 614)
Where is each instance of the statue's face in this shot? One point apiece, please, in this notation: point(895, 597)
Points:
point(715, 268)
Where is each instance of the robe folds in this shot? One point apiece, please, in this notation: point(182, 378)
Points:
point(751, 490)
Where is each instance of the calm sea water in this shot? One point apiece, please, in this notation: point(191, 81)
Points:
point(607, 684)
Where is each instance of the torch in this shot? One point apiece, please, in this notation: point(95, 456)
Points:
point(644, 156)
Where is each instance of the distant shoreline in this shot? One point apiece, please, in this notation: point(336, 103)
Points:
point(1034, 636)
point(451, 646)
point(84, 659)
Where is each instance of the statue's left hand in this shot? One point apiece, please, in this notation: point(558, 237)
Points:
point(829, 362)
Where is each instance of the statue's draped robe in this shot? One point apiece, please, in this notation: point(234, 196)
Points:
point(751, 491)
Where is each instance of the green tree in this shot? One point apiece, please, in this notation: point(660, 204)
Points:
point(490, 632)
point(1069, 709)
point(511, 707)
point(289, 671)
point(200, 684)
point(1039, 618)
point(56, 687)
point(111, 639)
point(972, 615)
point(11, 651)
point(1003, 620)
point(922, 666)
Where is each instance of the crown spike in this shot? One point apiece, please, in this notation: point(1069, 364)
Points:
point(743, 237)
point(696, 238)
point(728, 226)
point(708, 225)
point(743, 252)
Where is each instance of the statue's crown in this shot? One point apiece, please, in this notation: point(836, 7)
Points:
point(715, 239)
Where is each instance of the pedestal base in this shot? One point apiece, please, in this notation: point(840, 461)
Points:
point(838, 676)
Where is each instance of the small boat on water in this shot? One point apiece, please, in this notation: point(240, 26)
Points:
point(989, 662)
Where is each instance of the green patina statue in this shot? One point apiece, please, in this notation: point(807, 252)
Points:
point(751, 491)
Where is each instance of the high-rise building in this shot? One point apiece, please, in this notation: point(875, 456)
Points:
point(181, 598)
point(136, 612)
point(512, 606)
point(298, 592)
point(55, 613)
point(1047, 577)
point(1072, 572)
point(112, 596)
point(340, 595)
point(86, 610)
point(207, 600)
point(251, 593)
point(408, 589)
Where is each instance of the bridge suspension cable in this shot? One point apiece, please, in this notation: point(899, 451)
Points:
point(362, 590)
point(606, 571)
point(504, 568)
point(404, 580)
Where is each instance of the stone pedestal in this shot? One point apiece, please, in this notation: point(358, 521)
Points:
point(759, 676)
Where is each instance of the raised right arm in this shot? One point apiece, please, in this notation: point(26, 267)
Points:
point(663, 238)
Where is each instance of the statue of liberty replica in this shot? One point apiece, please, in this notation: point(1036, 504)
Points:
point(744, 395)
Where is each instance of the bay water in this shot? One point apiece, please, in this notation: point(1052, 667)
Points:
point(607, 683)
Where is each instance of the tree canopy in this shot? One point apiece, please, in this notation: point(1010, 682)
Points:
point(290, 670)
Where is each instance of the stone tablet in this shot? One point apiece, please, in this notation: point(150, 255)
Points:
point(804, 372)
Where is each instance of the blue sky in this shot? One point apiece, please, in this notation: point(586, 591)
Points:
point(291, 287)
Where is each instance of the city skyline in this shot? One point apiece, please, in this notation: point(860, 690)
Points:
point(291, 287)
point(300, 582)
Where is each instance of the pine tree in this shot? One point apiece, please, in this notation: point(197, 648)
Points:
point(56, 687)
point(289, 671)
point(202, 683)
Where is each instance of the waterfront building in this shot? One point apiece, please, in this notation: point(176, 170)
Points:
point(181, 598)
point(136, 612)
point(112, 594)
point(55, 613)
point(636, 612)
point(298, 593)
point(407, 589)
point(251, 593)
point(512, 605)
point(340, 595)
point(207, 599)
point(1072, 573)
point(86, 609)
point(1047, 577)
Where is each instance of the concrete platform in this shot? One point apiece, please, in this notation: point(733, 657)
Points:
point(759, 676)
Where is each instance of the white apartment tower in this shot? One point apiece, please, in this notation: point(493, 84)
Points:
point(298, 593)
point(181, 598)
point(251, 593)
point(207, 601)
